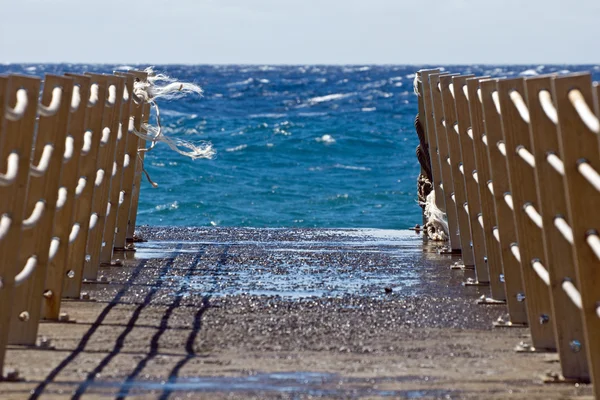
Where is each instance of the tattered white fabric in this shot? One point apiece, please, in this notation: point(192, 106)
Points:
point(436, 225)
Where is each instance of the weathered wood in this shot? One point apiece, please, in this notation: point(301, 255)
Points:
point(577, 142)
point(558, 254)
point(488, 206)
point(42, 189)
point(513, 283)
point(529, 236)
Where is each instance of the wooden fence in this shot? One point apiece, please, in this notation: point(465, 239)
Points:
point(515, 166)
point(69, 183)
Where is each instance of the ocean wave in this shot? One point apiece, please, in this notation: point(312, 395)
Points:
point(330, 97)
point(267, 115)
point(327, 139)
point(368, 109)
point(237, 148)
point(352, 167)
point(529, 72)
point(171, 206)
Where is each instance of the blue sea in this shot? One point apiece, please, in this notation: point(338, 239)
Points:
point(297, 146)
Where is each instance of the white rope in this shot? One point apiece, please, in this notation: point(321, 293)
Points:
point(496, 99)
point(476, 176)
point(15, 114)
point(93, 221)
point(54, 245)
point(509, 201)
point(62, 198)
point(75, 99)
point(502, 147)
point(470, 133)
point(519, 103)
point(465, 91)
point(12, 168)
point(542, 272)
point(548, 106)
point(556, 163)
point(594, 242)
point(534, 215)
point(26, 271)
point(484, 139)
point(526, 156)
point(35, 216)
point(515, 252)
point(80, 186)
point(93, 95)
point(490, 186)
point(74, 232)
point(112, 95)
point(39, 170)
point(99, 177)
point(590, 174)
point(69, 148)
point(5, 223)
point(496, 234)
point(87, 143)
point(105, 136)
point(573, 293)
point(584, 111)
point(564, 228)
point(480, 219)
point(52, 108)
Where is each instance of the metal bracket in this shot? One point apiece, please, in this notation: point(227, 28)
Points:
point(473, 282)
point(502, 323)
point(489, 301)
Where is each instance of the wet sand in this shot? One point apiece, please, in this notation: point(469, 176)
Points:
point(285, 314)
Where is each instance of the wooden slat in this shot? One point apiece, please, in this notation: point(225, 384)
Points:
point(458, 181)
point(558, 254)
point(577, 142)
point(529, 236)
point(488, 207)
point(442, 141)
point(513, 283)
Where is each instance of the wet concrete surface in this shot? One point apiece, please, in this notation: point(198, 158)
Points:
point(282, 313)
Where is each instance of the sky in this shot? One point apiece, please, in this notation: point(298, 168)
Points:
point(301, 31)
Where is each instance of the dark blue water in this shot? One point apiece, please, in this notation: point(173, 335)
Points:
point(306, 146)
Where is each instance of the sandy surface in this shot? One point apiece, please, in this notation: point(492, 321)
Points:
point(290, 314)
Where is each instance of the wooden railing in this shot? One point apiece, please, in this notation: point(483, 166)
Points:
point(69, 184)
point(515, 166)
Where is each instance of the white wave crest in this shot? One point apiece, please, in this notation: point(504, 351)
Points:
point(237, 148)
point(327, 139)
point(330, 97)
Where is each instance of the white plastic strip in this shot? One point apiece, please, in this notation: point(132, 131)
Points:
point(584, 111)
point(456, 129)
point(502, 147)
point(564, 228)
point(114, 169)
point(121, 197)
point(470, 133)
point(496, 234)
point(548, 106)
point(466, 207)
point(453, 197)
point(461, 168)
point(80, 186)
point(125, 94)
point(448, 161)
point(593, 240)
point(479, 95)
point(69, 148)
point(476, 176)
point(534, 215)
point(99, 177)
point(112, 95)
point(514, 249)
point(93, 221)
point(62, 198)
point(105, 136)
point(465, 91)
point(26, 271)
point(451, 88)
point(5, 222)
point(108, 208)
point(87, 143)
point(520, 105)
point(54, 245)
point(52, 108)
point(126, 161)
point(12, 168)
point(93, 95)
point(598, 311)
point(484, 139)
point(590, 174)
point(573, 293)
point(74, 232)
point(75, 98)
point(39, 170)
point(480, 219)
point(556, 163)
point(490, 186)
point(15, 114)
point(496, 98)
point(542, 272)
point(120, 132)
point(443, 122)
point(526, 156)
point(509, 201)
point(36, 215)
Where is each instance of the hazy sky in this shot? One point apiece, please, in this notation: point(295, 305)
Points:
point(300, 31)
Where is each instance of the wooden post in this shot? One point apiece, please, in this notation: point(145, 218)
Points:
point(579, 144)
point(117, 191)
point(522, 182)
point(17, 139)
point(488, 206)
point(442, 142)
point(105, 166)
point(558, 254)
point(87, 170)
point(42, 193)
point(129, 167)
point(499, 185)
point(66, 223)
point(454, 158)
